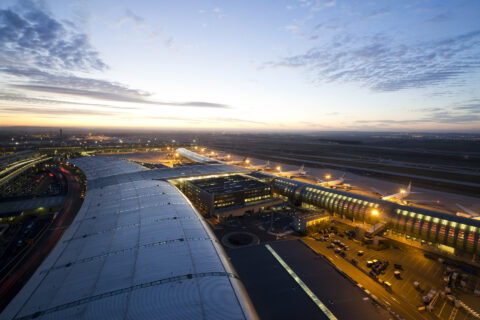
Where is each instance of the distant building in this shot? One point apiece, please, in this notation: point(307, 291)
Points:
point(302, 222)
point(232, 195)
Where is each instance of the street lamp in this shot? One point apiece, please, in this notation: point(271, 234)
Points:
point(375, 212)
point(279, 168)
point(328, 176)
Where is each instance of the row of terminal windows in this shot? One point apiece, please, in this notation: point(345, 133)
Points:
point(224, 204)
point(425, 226)
point(439, 230)
point(434, 229)
point(257, 198)
point(422, 225)
point(337, 202)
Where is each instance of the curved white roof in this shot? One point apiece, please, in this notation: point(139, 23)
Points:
point(137, 249)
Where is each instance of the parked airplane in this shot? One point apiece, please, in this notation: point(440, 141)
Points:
point(258, 167)
point(333, 183)
point(293, 173)
point(399, 196)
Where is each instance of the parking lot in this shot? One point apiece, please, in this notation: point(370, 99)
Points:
point(414, 267)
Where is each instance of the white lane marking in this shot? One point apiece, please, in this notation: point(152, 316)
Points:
point(307, 290)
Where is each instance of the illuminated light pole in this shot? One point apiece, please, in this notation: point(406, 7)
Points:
point(328, 176)
point(279, 168)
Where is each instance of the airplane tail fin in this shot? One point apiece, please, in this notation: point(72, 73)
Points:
point(409, 188)
point(267, 164)
point(344, 174)
point(302, 167)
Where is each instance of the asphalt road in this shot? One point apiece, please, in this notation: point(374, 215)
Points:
point(26, 265)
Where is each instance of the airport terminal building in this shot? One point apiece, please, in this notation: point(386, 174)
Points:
point(137, 249)
point(460, 233)
point(229, 195)
point(455, 232)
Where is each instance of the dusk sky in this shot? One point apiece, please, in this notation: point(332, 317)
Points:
point(303, 65)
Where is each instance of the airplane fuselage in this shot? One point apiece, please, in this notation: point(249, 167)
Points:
point(295, 173)
point(332, 183)
point(399, 196)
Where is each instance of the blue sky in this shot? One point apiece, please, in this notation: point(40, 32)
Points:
point(288, 65)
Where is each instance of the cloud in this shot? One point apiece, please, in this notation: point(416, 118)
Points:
point(58, 112)
point(133, 17)
point(42, 81)
point(292, 28)
point(381, 64)
point(40, 53)
point(29, 100)
point(218, 12)
point(440, 18)
point(111, 96)
point(435, 115)
point(330, 3)
point(130, 18)
point(378, 13)
point(31, 34)
point(39, 77)
point(470, 107)
point(169, 42)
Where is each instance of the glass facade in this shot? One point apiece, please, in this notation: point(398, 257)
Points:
point(437, 227)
